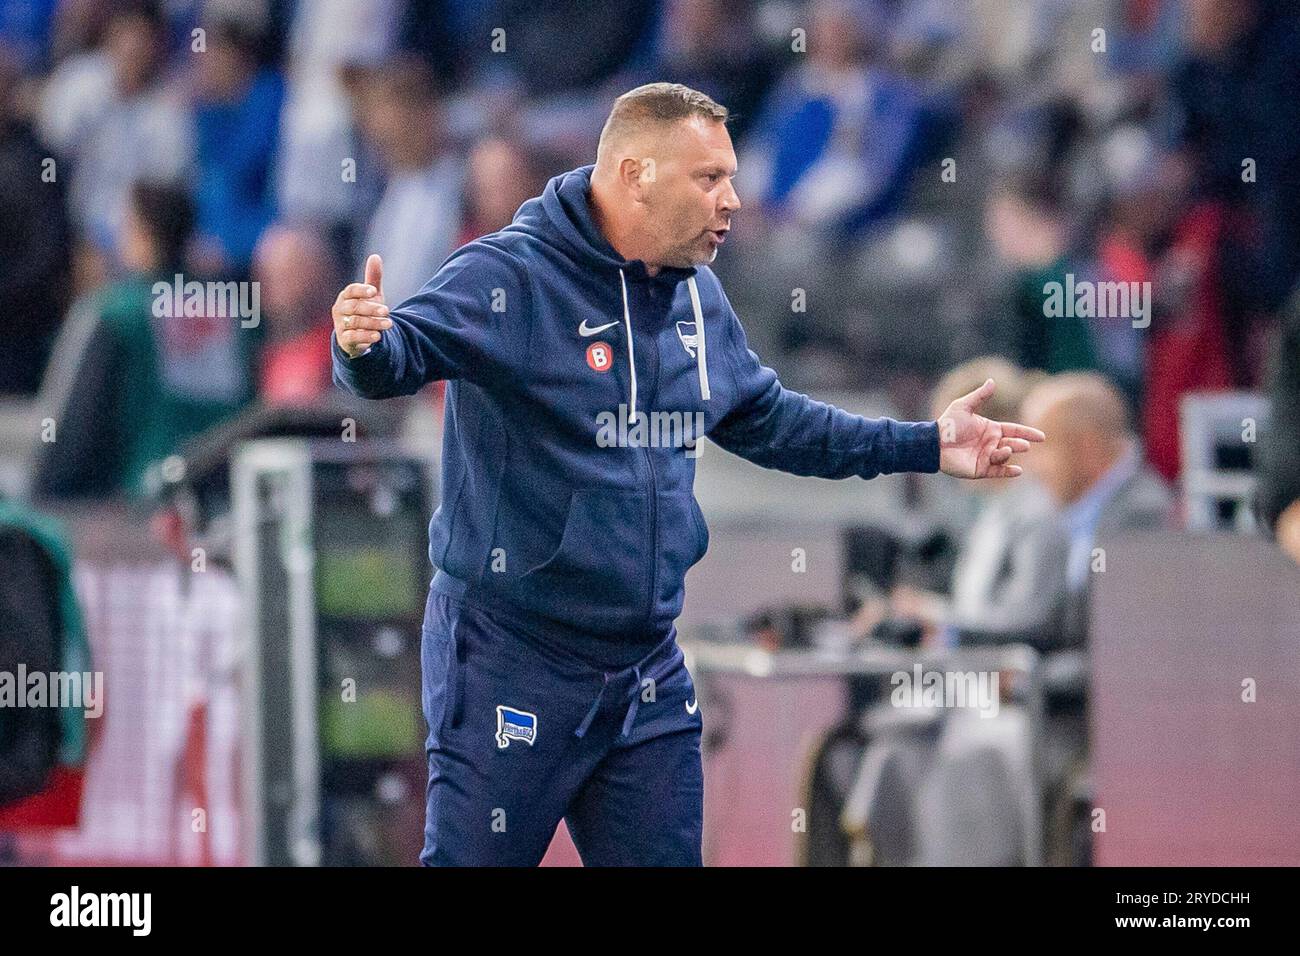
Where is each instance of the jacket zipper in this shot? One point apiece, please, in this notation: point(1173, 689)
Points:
point(650, 465)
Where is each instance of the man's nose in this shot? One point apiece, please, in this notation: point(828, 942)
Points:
point(731, 200)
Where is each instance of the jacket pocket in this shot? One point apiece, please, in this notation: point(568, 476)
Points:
point(601, 564)
point(683, 538)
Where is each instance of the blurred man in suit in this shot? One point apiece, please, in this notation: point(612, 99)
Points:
point(1093, 468)
point(1008, 581)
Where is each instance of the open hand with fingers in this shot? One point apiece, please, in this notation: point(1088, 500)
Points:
point(359, 312)
point(972, 446)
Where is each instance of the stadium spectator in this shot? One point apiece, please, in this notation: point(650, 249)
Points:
point(296, 272)
point(1234, 103)
point(315, 182)
point(713, 46)
point(1028, 228)
point(27, 27)
point(178, 373)
point(501, 177)
point(1140, 203)
point(236, 118)
point(835, 147)
point(110, 113)
point(1093, 467)
point(1187, 347)
point(557, 47)
point(77, 26)
point(431, 29)
point(34, 257)
point(416, 223)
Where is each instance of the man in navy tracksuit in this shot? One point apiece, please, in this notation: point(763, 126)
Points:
point(588, 348)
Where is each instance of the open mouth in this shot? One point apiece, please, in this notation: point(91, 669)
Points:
point(720, 235)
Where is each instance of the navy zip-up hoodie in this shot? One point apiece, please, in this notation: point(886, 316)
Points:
point(554, 347)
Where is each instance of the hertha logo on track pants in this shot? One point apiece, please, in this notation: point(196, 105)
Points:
point(523, 734)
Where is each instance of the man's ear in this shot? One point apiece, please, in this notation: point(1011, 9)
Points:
point(636, 174)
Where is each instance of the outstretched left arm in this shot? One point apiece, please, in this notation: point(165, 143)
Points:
point(775, 427)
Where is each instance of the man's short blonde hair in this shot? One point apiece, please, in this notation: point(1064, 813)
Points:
point(656, 104)
point(1091, 402)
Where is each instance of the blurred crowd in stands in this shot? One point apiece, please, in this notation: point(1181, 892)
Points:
point(914, 172)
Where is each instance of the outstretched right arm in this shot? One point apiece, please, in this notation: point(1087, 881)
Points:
point(467, 322)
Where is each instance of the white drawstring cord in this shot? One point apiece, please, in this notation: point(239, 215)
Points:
point(701, 361)
point(631, 355)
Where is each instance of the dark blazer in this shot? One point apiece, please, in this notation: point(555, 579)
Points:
point(1143, 502)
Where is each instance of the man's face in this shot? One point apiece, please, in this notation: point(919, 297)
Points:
point(290, 271)
point(689, 198)
point(130, 43)
point(1070, 460)
point(401, 128)
point(1050, 463)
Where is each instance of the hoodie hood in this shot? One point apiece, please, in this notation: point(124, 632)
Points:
point(562, 216)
